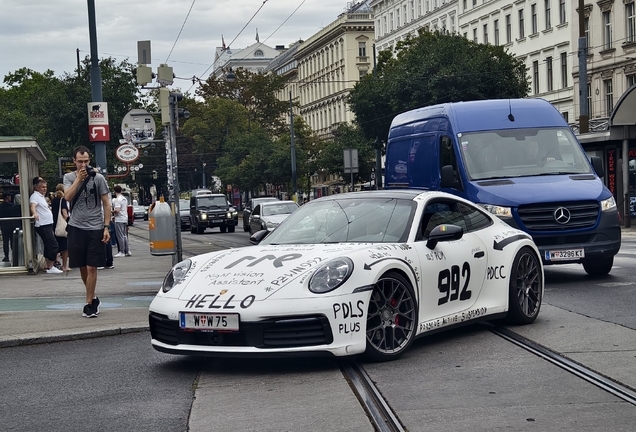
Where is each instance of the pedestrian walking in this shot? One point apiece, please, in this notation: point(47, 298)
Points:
point(87, 191)
point(44, 223)
point(59, 208)
point(120, 208)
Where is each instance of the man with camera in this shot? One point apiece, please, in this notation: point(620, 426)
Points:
point(88, 227)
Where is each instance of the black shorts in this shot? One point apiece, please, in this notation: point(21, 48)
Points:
point(85, 247)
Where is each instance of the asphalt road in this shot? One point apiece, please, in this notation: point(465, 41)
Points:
point(466, 379)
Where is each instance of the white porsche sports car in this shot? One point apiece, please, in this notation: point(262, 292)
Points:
point(362, 272)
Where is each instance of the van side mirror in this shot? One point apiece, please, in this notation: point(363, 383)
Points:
point(449, 178)
point(597, 164)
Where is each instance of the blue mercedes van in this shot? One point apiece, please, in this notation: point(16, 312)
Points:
point(519, 159)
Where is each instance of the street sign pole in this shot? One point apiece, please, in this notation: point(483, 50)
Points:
point(96, 84)
point(176, 258)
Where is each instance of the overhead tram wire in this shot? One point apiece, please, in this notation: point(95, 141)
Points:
point(178, 35)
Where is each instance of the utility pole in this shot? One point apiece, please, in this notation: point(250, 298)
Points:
point(584, 118)
point(96, 84)
point(293, 147)
point(174, 98)
point(377, 143)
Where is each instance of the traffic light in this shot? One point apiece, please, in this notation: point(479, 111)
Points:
point(164, 104)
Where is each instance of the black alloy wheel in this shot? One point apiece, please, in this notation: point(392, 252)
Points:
point(391, 319)
point(525, 288)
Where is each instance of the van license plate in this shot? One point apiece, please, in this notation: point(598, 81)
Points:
point(568, 254)
point(202, 321)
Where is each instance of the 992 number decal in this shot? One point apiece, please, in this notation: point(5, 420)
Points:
point(448, 283)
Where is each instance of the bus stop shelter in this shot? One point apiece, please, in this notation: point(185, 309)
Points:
point(19, 158)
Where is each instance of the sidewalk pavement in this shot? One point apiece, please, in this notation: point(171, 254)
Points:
point(46, 308)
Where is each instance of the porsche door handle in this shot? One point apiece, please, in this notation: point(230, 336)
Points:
point(479, 254)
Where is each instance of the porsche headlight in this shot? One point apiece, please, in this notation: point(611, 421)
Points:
point(204, 216)
point(608, 204)
point(176, 274)
point(504, 212)
point(331, 275)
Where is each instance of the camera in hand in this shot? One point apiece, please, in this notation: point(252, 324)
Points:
point(90, 171)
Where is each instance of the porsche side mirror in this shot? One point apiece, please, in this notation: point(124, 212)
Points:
point(258, 236)
point(444, 233)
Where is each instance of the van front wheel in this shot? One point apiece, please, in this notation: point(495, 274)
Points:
point(598, 267)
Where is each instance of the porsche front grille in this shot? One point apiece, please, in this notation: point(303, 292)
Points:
point(274, 333)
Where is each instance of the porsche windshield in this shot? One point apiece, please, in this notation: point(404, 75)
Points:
point(381, 220)
point(522, 152)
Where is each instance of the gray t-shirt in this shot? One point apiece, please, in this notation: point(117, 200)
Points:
point(87, 213)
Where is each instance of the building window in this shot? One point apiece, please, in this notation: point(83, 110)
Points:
point(258, 53)
point(589, 100)
point(452, 24)
point(397, 17)
point(548, 62)
point(548, 18)
point(565, 116)
point(522, 31)
point(586, 24)
point(362, 49)
point(412, 10)
point(486, 33)
point(631, 80)
point(428, 5)
point(405, 20)
point(385, 25)
point(607, 30)
point(535, 22)
point(363, 72)
point(464, 4)
point(475, 35)
point(631, 22)
point(609, 96)
point(535, 76)
point(508, 29)
point(496, 24)
point(562, 16)
point(564, 70)
point(474, 3)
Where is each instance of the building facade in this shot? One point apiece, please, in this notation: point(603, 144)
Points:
point(254, 58)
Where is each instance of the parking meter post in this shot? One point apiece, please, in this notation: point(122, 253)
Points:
point(175, 189)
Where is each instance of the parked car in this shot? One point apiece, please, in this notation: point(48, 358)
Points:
point(212, 211)
point(184, 213)
point(247, 210)
point(269, 214)
point(362, 272)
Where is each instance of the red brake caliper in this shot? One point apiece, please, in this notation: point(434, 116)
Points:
point(397, 318)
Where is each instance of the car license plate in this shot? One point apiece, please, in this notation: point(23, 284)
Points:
point(568, 254)
point(217, 220)
point(203, 321)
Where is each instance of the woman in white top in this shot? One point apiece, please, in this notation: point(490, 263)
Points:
point(44, 223)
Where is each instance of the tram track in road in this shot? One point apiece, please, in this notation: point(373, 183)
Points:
point(380, 413)
point(574, 368)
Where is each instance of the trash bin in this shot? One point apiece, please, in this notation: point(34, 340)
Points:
point(161, 228)
point(17, 248)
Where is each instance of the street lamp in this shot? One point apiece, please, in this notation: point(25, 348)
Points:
point(230, 76)
point(203, 174)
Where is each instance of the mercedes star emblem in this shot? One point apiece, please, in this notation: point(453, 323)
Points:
point(562, 215)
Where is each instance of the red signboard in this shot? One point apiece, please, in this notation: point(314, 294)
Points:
point(98, 133)
point(611, 170)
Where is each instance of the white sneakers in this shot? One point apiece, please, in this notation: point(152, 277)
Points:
point(54, 270)
point(128, 254)
point(119, 255)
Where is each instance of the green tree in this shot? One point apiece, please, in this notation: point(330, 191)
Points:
point(331, 156)
point(254, 91)
point(54, 109)
point(434, 68)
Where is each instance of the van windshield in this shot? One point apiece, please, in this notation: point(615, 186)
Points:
point(521, 153)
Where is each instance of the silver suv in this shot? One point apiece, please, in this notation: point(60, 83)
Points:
point(251, 204)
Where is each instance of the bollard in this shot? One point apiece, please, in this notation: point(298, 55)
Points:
point(161, 228)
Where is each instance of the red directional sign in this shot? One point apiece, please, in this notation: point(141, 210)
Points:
point(98, 133)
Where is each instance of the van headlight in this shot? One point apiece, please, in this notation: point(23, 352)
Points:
point(504, 212)
point(608, 204)
point(176, 275)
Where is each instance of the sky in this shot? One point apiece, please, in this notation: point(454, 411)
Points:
point(45, 34)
